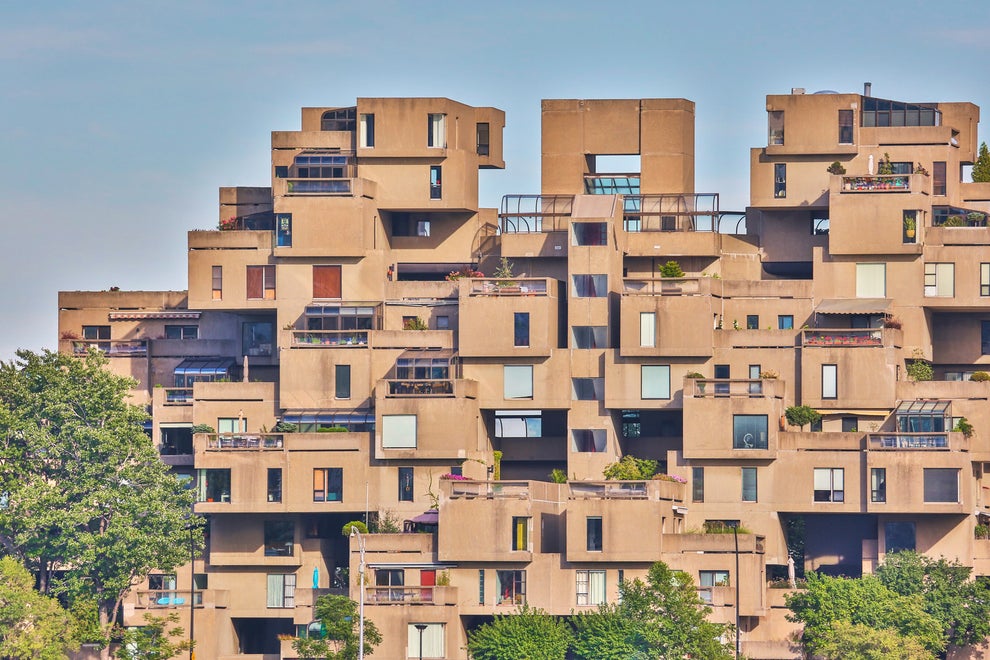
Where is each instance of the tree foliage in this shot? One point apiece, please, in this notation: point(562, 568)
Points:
point(670, 269)
point(981, 168)
point(84, 487)
point(606, 635)
point(158, 639)
point(530, 633)
point(341, 633)
point(32, 626)
point(801, 415)
point(630, 468)
point(855, 641)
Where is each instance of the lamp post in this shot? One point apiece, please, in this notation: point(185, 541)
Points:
point(192, 592)
point(360, 539)
point(420, 627)
point(735, 538)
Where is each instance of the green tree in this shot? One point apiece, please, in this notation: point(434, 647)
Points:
point(158, 639)
point(801, 415)
point(981, 168)
point(662, 617)
point(630, 468)
point(864, 601)
point(32, 626)
point(670, 269)
point(84, 488)
point(854, 641)
point(529, 634)
point(341, 633)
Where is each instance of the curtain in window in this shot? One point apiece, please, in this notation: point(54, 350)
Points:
point(596, 588)
point(432, 639)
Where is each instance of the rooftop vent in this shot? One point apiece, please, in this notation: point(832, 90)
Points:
point(797, 90)
point(867, 89)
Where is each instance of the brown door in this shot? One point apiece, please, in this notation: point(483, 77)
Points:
point(326, 282)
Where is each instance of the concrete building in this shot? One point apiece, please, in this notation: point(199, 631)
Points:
point(352, 362)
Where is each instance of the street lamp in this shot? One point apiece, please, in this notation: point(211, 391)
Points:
point(356, 534)
point(420, 627)
point(735, 538)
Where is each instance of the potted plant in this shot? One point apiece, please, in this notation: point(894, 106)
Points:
point(975, 218)
point(694, 375)
point(836, 168)
point(503, 275)
point(910, 226)
point(885, 166)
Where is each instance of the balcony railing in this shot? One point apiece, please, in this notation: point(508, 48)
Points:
point(426, 595)
point(733, 387)
point(908, 440)
point(534, 214)
point(178, 396)
point(318, 186)
point(515, 287)
point(607, 490)
point(330, 338)
point(168, 598)
point(667, 286)
point(115, 348)
point(420, 387)
point(843, 337)
point(671, 213)
point(877, 183)
point(255, 441)
point(489, 489)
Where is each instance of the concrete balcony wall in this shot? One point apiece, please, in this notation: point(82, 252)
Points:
point(487, 316)
point(865, 376)
point(684, 325)
point(447, 427)
point(547, 376)
point(708, 421)
point(671, 243)
point(538, 244)
point(632, 530)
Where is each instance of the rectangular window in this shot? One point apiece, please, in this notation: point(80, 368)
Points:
point(398, 431)
point(655, 381)
point(590, 587)
point(938, 178)
point(328, 484)
point(785, 322)
point(326, 282)
point(517, 381)
point(213, 485)
point(593, 533)
point(752, 322)
point(97, 332)
point(283, 230)
point(697, 484)
point(749, 484)
point(845, 126)
point(713, 579)
point(830, 381)
point(232, 424)
point(520, 533)
point(511, 586)
point(775, 127)
point(436, 185)
point(749, 431)
point(941, 485)
point(181, 332)
point(780, 180)
point(871, 280)
point(985, 337)
point(279, 538)
point(483, 134)
point(820, 223)
point(631, 425)
point(878, 485)
point(590, 336)
point(217, 282)
point(426, 640)
point(481, 586)
point(588, 389)
point(648, 329)
point(518, 424)
point(939, 280)
point(520, 329)
point(366, 131)
point(436, 135)
point(405, 484)
point(829, 485)
point(261, 282)
point(985, 279)
point(281, 590)
point(274, 484)
point(850, 424)
point(590, 286)
point(256, 338)
point(588, 440)
point(898, 536)
point(443, 322)
point(586, 234)
point(342, 381)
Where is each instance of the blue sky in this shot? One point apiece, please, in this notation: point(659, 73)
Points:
point(119, 120)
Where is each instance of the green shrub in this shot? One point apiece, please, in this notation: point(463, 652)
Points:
point(558, 476)
point(630, 468)
point(963, 426)
point(203, 428)
point(332, 429)
point(671, 269)
point(918, 369)
point(980, 376)
point(357, 524)
point(801, 415)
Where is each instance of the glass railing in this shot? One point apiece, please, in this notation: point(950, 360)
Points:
point(166, 598)
point(908, 440)
point(330, 338)
point(843, 337)
point(245, 441)
point(121, 348)
point(495, 489)
point(319, 186)
point(671, 213)
point(876, 183)
point(420, 387)
point(636, 490)
point(515, 287)
point(178, 396)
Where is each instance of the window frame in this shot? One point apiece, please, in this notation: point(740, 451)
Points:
point(936, 272)
point(739, 437)
point(584, 594)
point(846, 130)
point(511, 587)
point(866, 272)
point(184, 332)
point(750, 484)
point(836, 494)
point(517, 382)
point(407, 480)
point(263, 275)
point(930, 487)
point(659, 384)
point(274, 485)
point(326, 478)
point(594, 534)
point(520, 329)
point(785, 321)
point(399, 425)
point(284, 596)
point(366, 130)
point(216, 276)
point(878, 485)
point(830, 381)
point(697, 484)
point(521, 534)
point(647, 329)
point(279, 538)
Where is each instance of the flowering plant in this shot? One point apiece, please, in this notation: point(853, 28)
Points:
point(229, 223)
point(670, 477)
point(455, 275)
point(453, 477)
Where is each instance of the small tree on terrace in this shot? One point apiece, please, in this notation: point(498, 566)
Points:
point(801, 415)
point(530, 633)
point(981, 168)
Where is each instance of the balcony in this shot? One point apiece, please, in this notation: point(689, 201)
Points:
point(114, 348)
point(534, 214)
point(178, 396)
point(917, 441)
point(668, 286)
point(243, 441)
point(526, 286)
point(734, 387)
point(174, 598)
point(425, 595)
point(670, 213)
point(318, 186)
point(653, 490)
point(518, 490)
point(877, 183)
point(416, 387)
point(330, 338)
point(843, 337)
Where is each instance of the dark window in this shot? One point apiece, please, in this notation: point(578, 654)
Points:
point(261, 282)
point(274, 484)
point(279, 538)
point(775, 122)
point(483, 133)
point(97, 332)
point(443, 323)
point(878, 484)
point(590, 286)
point(181, 332)
point(481, 586)
point(456, 470)
point(588, 389)
point(749, 484)
point(176, 440)
point(938, 178)
point(283, 230)
point(326, 282)
point(985, 337)
point(850, 424)
point(594, 533)
point(829, 485)
point(722, 372)
point(819, 224)
point(281, 171)
point(590, 233)
point(342, 378)
point(435, 130)
point(749, 431)
point(780, 180)
point(213, 485)
point(631, 426)
point(436, 186)
point(520, 533)
point(405, 484)
point(328, 484)
point(785, 322)
point(217, 282)
point(521, 329)
point(256, 338)
point(898, 536)
point(941, 485)
point(338, 120)
point(752, 322)
point(511, 587)
point(697, 484)
point(816, 426)
point(367, 131)
point(589, 336)
point(845, 126)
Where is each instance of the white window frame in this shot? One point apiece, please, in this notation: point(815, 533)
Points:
point(436, 137)
point(363, 130)
point(940, 280)
point(281, 592)
point(399, 432)
point(589, 588)
point(647, 329)
point(836, 483)
point(830, 381)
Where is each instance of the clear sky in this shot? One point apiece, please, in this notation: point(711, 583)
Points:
point(120, 120)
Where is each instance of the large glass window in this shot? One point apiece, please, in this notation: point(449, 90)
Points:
point(593, 533)
point(328, 484)
point(181, 332)
point(517, 381)
point(829, 485)
point(648, 329)
point(274, 484)
point(590, 587)
point(176, 439)
point(261, 282)
point(941, 484)
point(713, 579)
point(590, 286)
point(588, 440)
point(655, 381)
point(342, 381)
point(511, 587)
point(214, 485)
point(590, 336)
point(436, 131)
point(520, 533)
point(405, 484)
point(426, 640)
point(281, 590)
point(279, 538)
point(845, 126)
point(749, 484)
point(398, 431)
point(938, 178)
point(99, 334)
point(341, 119)
point(871, 280)
point(775, 127)
point(589, 233)
point(256, 338)
point(878, 484)
point(518, 424)
point(830, 385)
point(898, 536)
point(749, 431)
point(520, 328)
point(940, 280)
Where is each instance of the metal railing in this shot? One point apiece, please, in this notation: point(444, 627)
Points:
point(168, 598)
point(220, 441)
point(331, 338)
point(671, 213)
point(668, 286)
point(908, 440)
point(842, 337)
point(420, 387)
point(519, 286)
point(318, 186)
point(876, 183)
point(114, 348)
point(534, 214)
point(400, 595)
point(732, 387)
point(489, 489)
point(628, 490)
point(178, 396)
